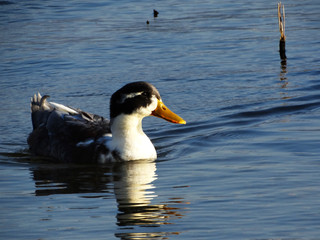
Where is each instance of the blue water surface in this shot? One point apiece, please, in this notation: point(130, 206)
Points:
point(245, 166)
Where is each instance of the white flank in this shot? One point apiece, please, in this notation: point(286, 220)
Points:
point(63, 108)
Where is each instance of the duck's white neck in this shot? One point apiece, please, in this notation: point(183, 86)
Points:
point(129, 140)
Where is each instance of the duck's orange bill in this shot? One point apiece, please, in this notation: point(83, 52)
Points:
point(163, 112)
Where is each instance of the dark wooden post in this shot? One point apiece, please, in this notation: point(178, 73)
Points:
point(282, 42)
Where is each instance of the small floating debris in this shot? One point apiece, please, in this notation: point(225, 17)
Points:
point(282, 42)
point(155, 13)
point(148, 22)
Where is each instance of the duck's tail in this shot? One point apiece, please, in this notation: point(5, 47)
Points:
point(40, 110)
point(39, 103)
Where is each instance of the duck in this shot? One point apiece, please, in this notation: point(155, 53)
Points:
point(67, 134)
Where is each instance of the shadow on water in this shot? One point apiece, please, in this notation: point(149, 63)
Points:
point(131, 183)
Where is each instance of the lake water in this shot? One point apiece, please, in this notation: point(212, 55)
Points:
point(246, 165)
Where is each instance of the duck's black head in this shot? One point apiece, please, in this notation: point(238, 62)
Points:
point(132, 97)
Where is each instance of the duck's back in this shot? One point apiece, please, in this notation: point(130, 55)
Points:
point(65, 134)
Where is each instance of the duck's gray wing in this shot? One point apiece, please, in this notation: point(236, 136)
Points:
point(58, 130)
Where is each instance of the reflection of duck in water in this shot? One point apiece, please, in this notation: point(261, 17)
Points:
point(134, 192)
point(70, 134)
point(131, 182)
point(52, 179)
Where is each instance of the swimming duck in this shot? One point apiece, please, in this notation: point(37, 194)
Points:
point(71, 135)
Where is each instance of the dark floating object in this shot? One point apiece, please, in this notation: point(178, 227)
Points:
point(282, 42)
point(147, 22)
point(155, 13)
